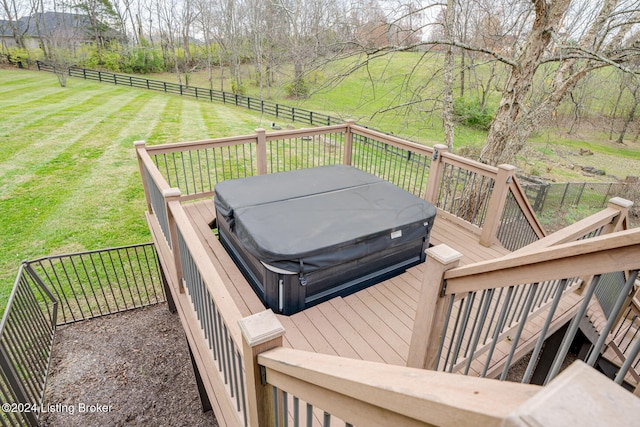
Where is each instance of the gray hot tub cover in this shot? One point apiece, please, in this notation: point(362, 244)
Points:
point(310, 219)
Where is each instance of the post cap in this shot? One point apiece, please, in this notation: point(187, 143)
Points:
point(171, 192)
point(444, 254)
point(260, 328)
point(619, 201)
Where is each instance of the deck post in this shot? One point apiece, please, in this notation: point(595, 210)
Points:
point(623, 205)
point(260, 332)
point(261, 151)
point(348, 142)
point(171, 195)
point(432, 306)
point(142, 145)
point(435, 174)
point(496, 204)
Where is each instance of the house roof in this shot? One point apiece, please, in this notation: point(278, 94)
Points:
point(49, 23)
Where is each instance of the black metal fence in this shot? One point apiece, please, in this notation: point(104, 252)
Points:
point(559, 196)
point(62, 289)
point(97, 283)
point(26, 339)
point(283, 112)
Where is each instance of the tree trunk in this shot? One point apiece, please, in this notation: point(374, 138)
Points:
point(447, 103)
point(630, 116)
point(499, 146)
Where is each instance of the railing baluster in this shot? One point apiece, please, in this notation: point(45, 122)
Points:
point(516, 338)
point(498, 329)
point(630, 357)
point(571, 332)
point(543, 332)
point(604, 333)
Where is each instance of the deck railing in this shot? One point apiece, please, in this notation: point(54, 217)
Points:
point(186, 171)
point(293, 387)
point(624, 341)
point(486, 199)
point(471, 312)
point(214, 315)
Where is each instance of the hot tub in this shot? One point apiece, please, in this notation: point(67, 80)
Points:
point(306, 236)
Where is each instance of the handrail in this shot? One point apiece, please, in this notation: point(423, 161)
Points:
point(601, 254)
point(177, 147)
point(392, 140)
point(612, 217)
point(375, 394)
point(469, 164)
point(360, 392)
point(527, 209)
point(299, 133)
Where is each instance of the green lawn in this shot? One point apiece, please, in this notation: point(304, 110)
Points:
point(68, 174)
point(69, 178)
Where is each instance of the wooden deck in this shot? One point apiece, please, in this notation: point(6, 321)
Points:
point(374, 324)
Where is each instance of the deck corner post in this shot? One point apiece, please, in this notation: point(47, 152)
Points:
point(622, 205)
point(171, 195)
point(261, 151)
point(430, 316)
point(260, 332)
point(348, 142)
point(142, 146)
point(496, 204)
point(435, 174)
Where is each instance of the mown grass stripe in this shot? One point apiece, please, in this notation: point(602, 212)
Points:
point(66, 127)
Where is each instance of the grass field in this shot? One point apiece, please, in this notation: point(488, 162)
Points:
point(68, 174)
point(69, 179)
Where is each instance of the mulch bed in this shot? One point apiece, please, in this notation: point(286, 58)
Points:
point(126, 369)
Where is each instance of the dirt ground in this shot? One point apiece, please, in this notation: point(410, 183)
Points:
point(128, 369)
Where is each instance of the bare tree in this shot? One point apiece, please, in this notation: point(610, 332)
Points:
point(545, 46)
point(447, 103)
point(597, 40)
point(634, 88)
point(14, 9)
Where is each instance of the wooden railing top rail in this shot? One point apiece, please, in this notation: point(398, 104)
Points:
point(201, 144)
point(298, 133)
point(360, 392)
point(602, 254)
point(469, 164)
point(374, 394)
point(527, 209)
point(152, 170)
point(217, 289)
point(292, 133)
point(391, 140)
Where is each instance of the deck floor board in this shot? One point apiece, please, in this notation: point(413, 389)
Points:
point(372, 324)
